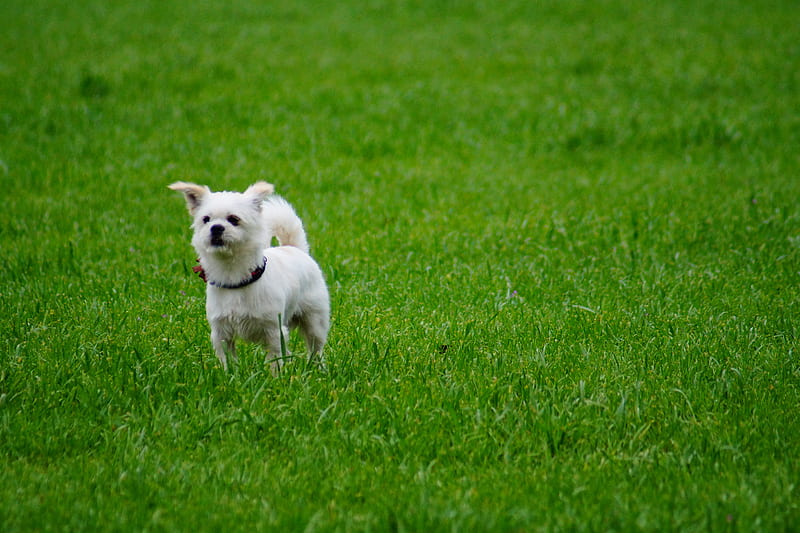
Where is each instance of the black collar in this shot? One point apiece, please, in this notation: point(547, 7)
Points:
point(255, 275)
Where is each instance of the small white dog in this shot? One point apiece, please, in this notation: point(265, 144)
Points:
point(254, 291)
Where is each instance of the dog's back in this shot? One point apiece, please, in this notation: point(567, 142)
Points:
point(284, 223)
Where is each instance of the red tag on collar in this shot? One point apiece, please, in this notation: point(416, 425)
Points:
point(199, 271)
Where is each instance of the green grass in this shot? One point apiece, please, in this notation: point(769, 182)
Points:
point(562, 241)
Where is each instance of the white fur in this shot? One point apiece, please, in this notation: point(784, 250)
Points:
point(290, 293)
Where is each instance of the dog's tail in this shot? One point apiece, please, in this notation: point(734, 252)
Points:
point(284, 223)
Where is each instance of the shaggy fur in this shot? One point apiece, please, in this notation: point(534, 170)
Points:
point(232, 235)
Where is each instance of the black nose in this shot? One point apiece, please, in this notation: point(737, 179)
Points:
point(217, 230)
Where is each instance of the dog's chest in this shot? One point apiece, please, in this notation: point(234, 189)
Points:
point(245, 302)
point(244, 313)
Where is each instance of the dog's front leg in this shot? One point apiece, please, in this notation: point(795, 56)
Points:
point(277, 349)
point(224, 345)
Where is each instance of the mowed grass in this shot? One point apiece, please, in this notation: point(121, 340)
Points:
point(562, 241)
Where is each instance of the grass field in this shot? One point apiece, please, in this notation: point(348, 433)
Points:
point(562, 241)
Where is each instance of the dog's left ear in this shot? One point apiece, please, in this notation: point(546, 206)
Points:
point(259, 190)
point(194, 194)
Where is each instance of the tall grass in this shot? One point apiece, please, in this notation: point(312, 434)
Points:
point(562, 241)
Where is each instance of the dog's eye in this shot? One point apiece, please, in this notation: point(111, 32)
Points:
point(206, 219)
point(234, 220)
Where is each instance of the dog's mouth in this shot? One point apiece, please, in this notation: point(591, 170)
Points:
point(217, 240)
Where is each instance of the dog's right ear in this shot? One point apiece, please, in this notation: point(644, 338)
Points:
point(194, 194)
point(260, 190)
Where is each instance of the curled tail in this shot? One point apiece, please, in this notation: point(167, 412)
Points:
point(284, 223)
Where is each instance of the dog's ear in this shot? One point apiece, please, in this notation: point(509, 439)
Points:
point(194, 194)
point(259, 190)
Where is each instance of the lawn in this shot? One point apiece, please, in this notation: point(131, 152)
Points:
point(562, 241)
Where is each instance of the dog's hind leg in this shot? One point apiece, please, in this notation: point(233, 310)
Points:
point(314, 329)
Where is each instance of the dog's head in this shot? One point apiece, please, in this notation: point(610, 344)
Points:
point(226, 223)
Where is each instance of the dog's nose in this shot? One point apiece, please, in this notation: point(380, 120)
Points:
point(217, 230)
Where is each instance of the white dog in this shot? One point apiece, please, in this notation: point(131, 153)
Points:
point(254, 291)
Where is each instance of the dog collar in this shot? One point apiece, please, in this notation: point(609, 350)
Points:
point(255, 275)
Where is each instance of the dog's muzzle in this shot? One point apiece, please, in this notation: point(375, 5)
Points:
point(217, 232)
